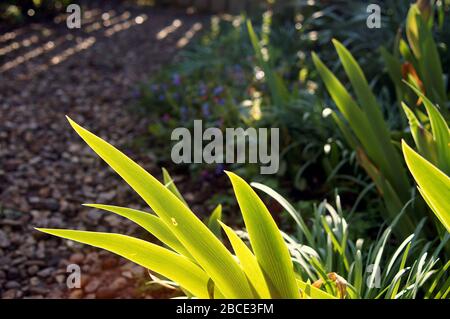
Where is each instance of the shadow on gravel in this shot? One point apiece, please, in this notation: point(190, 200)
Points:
point(46, 172)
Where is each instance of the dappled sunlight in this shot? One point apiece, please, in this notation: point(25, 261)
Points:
point(110, 22)
point(11, 35)
point(125, 25)
point(44, 33)
point(83, 45)
point(176, 24)
point(189, 35)
point(50, 45)
point(107, 19)
point(17, 45)
point(95, 23)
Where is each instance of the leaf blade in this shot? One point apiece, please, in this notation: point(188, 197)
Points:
point(248, 262)
point(267, 242)
point(163, 261)
point(208, 251)
point(433, 184)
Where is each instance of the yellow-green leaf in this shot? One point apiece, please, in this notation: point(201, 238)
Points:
point(168, 181)
point(313, 292)
point(151, 223)
point(433, 184)
point(423, 139)
point(160, 260)
point(248, 263)
point(440, 130)
point(207, 250)
point(267, 242)
point(214, 220)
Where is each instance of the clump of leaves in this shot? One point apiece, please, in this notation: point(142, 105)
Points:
point(325, 252)
point(194, 257)
point(365, 130)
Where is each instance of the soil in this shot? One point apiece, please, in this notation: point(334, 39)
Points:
point(92, 74)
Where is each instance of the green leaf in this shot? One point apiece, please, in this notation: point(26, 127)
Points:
point(289, 208)
point(214, 221)
point(377, 151)
point(346, 132)
point(163, 261)
point(248, 263)
point(344, 101)
point(393, 203)
point(358, 273)
point(267, 242)
point(412, 30)
point(276, 85)
point(313, 292)
point(379, 249)
point(423, 139)
point(392, 166)
point(151, 223)
point(207, 250)
point(168, 181)
point(433, 184)
point(440, 130)
point(393, 66)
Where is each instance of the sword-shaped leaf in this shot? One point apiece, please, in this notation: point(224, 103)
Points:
point(151, 223)
point(422, 137)
point(168, 181)
point(160, 260)
point(248, 263)
point(440, 130)
point(207, 250)
point(266, 240)
point(433, 184)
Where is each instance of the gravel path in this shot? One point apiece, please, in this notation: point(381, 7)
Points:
point(46, 172)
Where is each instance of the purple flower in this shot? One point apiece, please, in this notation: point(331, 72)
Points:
point(154, 88)
point(176, 79)
point(136, 93)
point(205, 109)
point(166, 117)
point(218, 90)
point(219, 169)
point(162, 97)
point(202, 89)
point(184, 112)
